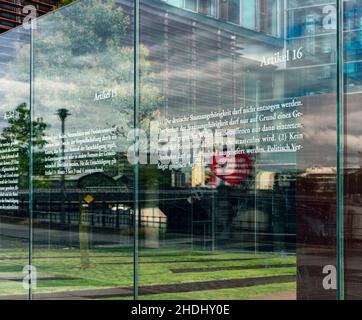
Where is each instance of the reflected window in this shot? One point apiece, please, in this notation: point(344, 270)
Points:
point(269, 16)
point(176, 3)
point(248, 14)
point(208, 7)
point(230, 10)
point(191, 5)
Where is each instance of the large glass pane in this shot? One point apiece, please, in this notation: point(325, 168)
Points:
point(239, 160)
point(14, 161)
point(312, 27)
point(83, 181)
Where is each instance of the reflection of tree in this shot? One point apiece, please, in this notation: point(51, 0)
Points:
point(94, 26)
point(18, 132)
point(78, 52)
point(92, 52)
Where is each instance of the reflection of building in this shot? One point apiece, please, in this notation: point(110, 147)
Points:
point(11, 11)
point(259, 15)
point(322, 178)
point(265, 180)
point(198, 171)
point(198, 175)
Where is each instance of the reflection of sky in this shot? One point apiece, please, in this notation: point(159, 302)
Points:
point(14, 81)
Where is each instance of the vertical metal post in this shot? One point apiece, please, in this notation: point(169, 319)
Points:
point(213, 240)
point(136, 101)
point(30, 150)
point(256, 247)
point(340, 150)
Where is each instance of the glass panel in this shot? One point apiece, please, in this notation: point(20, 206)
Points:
point(83, 181)
point(238, 163)
point(353, 150)
point(313, 29)
point(14, 161)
